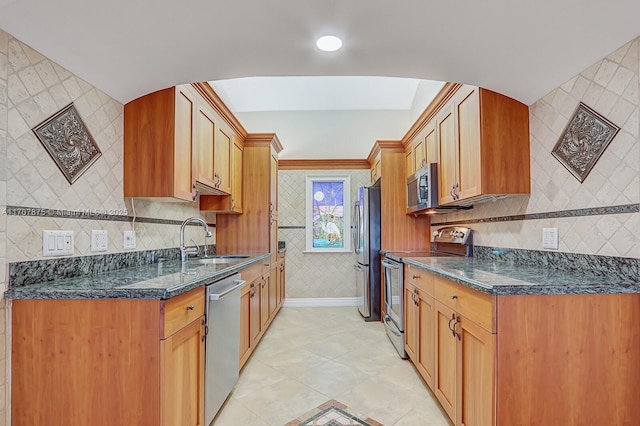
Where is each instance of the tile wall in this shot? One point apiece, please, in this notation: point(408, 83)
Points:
point(311, 275)
point(4, 312)
point(611, 87)
point(32, 88)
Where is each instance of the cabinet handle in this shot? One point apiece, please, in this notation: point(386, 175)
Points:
point(190, 308)
point(233, 204)
point(453, 318)
point(416, 276)
point(455, 333)
point(454, 297)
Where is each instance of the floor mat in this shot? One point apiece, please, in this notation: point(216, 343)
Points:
point(333, 413)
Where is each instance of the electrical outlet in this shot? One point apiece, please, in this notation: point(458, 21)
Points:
point(129, 240)
point(550, 238)
point(57, 243)
point(98, 240)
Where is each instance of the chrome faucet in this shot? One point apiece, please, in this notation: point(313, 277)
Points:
point(186, 251)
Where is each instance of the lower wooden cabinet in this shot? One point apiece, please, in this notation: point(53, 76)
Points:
point(182, 377)
point(526, 359)
point(258, 305)
point(108, 361)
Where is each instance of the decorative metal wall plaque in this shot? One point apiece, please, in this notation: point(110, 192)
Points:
point(68, 141)
point(583, 141)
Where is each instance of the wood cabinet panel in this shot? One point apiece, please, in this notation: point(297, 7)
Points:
point(182, 310)
point(446, 372)
point(568, 359)
point(411, 322)
point(426, 337)
point(158, 134)
point(467, 104)
point(222, 159)
point(448, 168)
point(182, 376)
point(245, 315)
point(476, 375)
point(431, 143)
point(236, 182)
point(419, 154)
point(419, 278)
point(204, 145)
point(475, 305)
point(255, 317)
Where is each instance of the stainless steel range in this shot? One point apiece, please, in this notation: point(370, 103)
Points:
point(447, 241)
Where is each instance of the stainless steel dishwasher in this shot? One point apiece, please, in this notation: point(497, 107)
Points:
point(222, 347)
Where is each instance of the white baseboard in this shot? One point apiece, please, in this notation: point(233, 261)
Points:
point(308, 302)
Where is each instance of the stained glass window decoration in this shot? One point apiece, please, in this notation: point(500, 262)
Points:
point(328, 226)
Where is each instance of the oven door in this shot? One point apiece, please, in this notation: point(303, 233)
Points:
point(394, 292)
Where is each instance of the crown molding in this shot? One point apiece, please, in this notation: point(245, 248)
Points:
point(323, 164)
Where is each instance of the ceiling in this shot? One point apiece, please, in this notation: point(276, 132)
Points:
point(129, 48)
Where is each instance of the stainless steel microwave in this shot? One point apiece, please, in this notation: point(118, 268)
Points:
point(422, 188)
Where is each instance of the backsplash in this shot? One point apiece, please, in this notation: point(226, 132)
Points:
point(611, 87)
point(37, 88)
point(313, 274)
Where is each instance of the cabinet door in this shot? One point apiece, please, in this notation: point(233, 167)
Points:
point(448, 170)
point(282, 280)
point(204, 145)
point(445, 362)
point(236, 183)
point(476, 362)
point(222, 160)
point(245, 323)
point(182, 376)
point(254, 316)
point(467, 111)
point(419, 155)
point(185, 112)
point(426, 338)
point(264, 301)
point(411, 325)
point(410, 162)
point(273, 207)
point(431, 143)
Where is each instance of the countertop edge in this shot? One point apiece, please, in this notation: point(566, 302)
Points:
point(27, 292)
point(532, 289)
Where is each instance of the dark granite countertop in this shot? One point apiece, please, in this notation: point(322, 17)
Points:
point(151, 281)
point(503, 278)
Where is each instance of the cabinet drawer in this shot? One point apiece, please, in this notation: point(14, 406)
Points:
point(472, 304)
point(419, 278)
point(250, 273)
point(182, 310)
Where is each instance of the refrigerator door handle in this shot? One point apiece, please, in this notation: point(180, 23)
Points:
point(356, 230)
point(397, 333)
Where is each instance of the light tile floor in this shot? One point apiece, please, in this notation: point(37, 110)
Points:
point(311, 355)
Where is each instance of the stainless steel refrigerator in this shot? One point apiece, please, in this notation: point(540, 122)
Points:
point(366, 239)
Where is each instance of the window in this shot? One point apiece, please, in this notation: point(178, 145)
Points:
point(328, 226)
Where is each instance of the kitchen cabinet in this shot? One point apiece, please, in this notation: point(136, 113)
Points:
point(119, 361)
point(159, 131)
point(258, 306)
point(445, 379)
point(230, 203)
point(420, 321)
point(483, 143)
point(256, 229)
point(398, 231)
point(281, 284)
point(177, 144)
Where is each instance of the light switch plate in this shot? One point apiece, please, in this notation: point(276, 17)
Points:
point(57, 243)
point(550, 238)
point(129, 240)
point(98, 240)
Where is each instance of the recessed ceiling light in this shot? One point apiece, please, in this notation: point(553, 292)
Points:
point(329, 43)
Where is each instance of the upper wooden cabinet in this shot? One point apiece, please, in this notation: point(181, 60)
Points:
point(231, 203)
point(177, 144)
point(159, 129)
point(483, 142)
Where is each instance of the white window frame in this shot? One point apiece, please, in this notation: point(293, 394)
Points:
point(346, 182)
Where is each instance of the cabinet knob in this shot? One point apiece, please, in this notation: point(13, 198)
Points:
point(416, 276)
point(454, 297)
point(190, 308)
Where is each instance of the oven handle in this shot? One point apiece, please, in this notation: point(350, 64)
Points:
point(397, 333)
point(388, 264)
